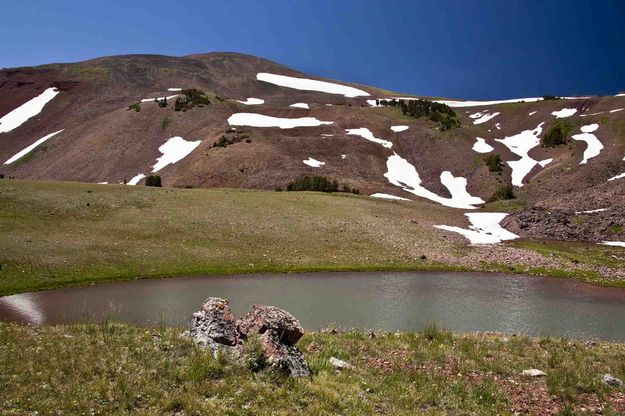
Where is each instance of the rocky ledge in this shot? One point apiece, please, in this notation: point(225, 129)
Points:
point(215, 327)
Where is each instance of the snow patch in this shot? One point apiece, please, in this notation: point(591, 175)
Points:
point(622, 175)
point(398, 129)
point(401, 173)
point(260, 120)
point(498, 126)
point(147, 100)
point(565, 112)
point(485, 117)
point(545, 162)
point(343, 157)
point(520, 145)
point(613, 243)
point(136, 179)
point(29, 109)
point(313, 162)
point(455, 103)
point(310, 85)
point(174, 150)
point(484, 228)
point(174, 89)
point(616, 110)
point(103, 183)
point(252, 101)
point(592, 211)
point(28, 149)
point(593, 144)
point(533, 112)
point(327, 135)
point(481, 146)
point(300, 105)
point(388, 196)
point(366, 134)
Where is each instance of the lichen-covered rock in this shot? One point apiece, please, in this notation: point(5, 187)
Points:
point(286, 357)
point(263, 318)
point(214, 326)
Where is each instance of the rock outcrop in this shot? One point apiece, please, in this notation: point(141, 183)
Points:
point(214, 327)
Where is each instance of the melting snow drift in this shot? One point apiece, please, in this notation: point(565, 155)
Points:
point(594, 146)
point(366, 134)
point(28, 149)
point(260, 120)
point(310, 85)
point(484, 228)
point(388, 196)
point(481, 146)
point(483, 118)
point(26, 111)
point(136, 179)
point(565, 112)
point(401, 173)
point(300, 105)
point(252, 101)
point(174, 150)
point(314, 163)
point(520, 145)
point(614, 243)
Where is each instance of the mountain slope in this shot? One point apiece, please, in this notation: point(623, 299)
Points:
point(99, 139)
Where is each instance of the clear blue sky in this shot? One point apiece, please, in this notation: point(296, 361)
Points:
point(454, 48)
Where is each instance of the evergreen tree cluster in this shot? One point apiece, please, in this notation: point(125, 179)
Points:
point(437, 112)
point(318, 183)
point(153, 180)
point(190, 98)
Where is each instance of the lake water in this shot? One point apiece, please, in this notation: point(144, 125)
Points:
point(384, 301)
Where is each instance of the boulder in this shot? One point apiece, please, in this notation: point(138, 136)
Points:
point(214, 326)
point(610, 380)
point(287, 358)
point(263, 318)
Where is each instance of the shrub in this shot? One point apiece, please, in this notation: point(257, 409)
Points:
point(165, 123)
point(503, 193)
point(190, 98)
point(557, 133)
point(153, 180)
point(493, 162)
point(135, 106)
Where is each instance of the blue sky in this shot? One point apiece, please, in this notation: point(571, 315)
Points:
point(461, 49)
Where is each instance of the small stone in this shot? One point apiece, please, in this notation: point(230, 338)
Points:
point(610, 380)
point(533, 372)
point(339, 364)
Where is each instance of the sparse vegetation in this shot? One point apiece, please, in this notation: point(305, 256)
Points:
point(135, 106)
point(190, 98)
point(437, 112)
point(503, 193)
point(165, 123)
point(153, 180)
point(557, 134)
point(223, 142)
point(111, 368)
point(493, 161)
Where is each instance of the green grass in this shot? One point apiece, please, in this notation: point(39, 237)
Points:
point(55, 234)
point(111, 368)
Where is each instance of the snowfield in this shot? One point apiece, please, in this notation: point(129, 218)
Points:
point(136, 179)
point(28, 149)
point(480, 146)
point(26, 111)
point(300, 105)
point(174, 150)
point(485, 117)
point(565, 112)
point(613, 243)
point(388, 196)
point(366, 134)
point(252, 101)
point(401, 173)
point(484, 228)
point(306, 84)
point(398, 129)
point(260, 120)
point(455, 103)
point(314, 163)
point(594, 146)
point(520, 145)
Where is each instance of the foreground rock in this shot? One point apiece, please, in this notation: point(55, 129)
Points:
point(214, 327)
point(533, 372)
point(339, 364)
point(610, 380)
point(278, 331)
